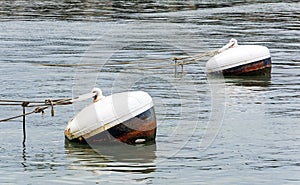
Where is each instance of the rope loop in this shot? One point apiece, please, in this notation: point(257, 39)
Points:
point(39, 109)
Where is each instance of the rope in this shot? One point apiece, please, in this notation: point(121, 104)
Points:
point(195, 58)
point(40, 106)
point(65, 101)
point(180, 61)
point(36, 110)
point(20, 101)
point(184, 61)
point(9, 104)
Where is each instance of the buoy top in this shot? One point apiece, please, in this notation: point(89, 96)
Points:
point(98, 94)
point(232, 43)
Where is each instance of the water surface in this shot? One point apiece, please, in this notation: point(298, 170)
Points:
point(256, 138)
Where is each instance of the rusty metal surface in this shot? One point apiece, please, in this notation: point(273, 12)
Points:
point(262, 67)
point(142, 126)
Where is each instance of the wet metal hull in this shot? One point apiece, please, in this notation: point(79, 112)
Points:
point(262, 67)
point(139, 129)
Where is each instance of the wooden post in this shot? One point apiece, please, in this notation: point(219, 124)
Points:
point(24, 104)
point(175, 61)
point(24, 126)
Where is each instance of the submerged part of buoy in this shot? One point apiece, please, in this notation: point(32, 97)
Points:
point(235, 59)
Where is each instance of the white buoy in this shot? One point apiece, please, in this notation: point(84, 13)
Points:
point(127, 117)
point(235, 59)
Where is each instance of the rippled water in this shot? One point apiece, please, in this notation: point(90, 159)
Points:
point(246, 134)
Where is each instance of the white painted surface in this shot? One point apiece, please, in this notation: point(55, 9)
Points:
point(108, 111)
point(236, 56)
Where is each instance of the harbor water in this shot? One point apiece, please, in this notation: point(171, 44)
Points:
point(209, 131)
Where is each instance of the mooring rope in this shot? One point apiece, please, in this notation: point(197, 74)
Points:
point(40, 106)
point(36, 110)
point(189, 59)
point(20, 101)
point(35, 103)
point(181, 61)
point(194, 58)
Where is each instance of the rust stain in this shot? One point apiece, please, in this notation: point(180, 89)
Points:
point(146, 131)
point(142, 126)
point(68, 133)
point(258, 68)
point(262, 67)
point(129, 131)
